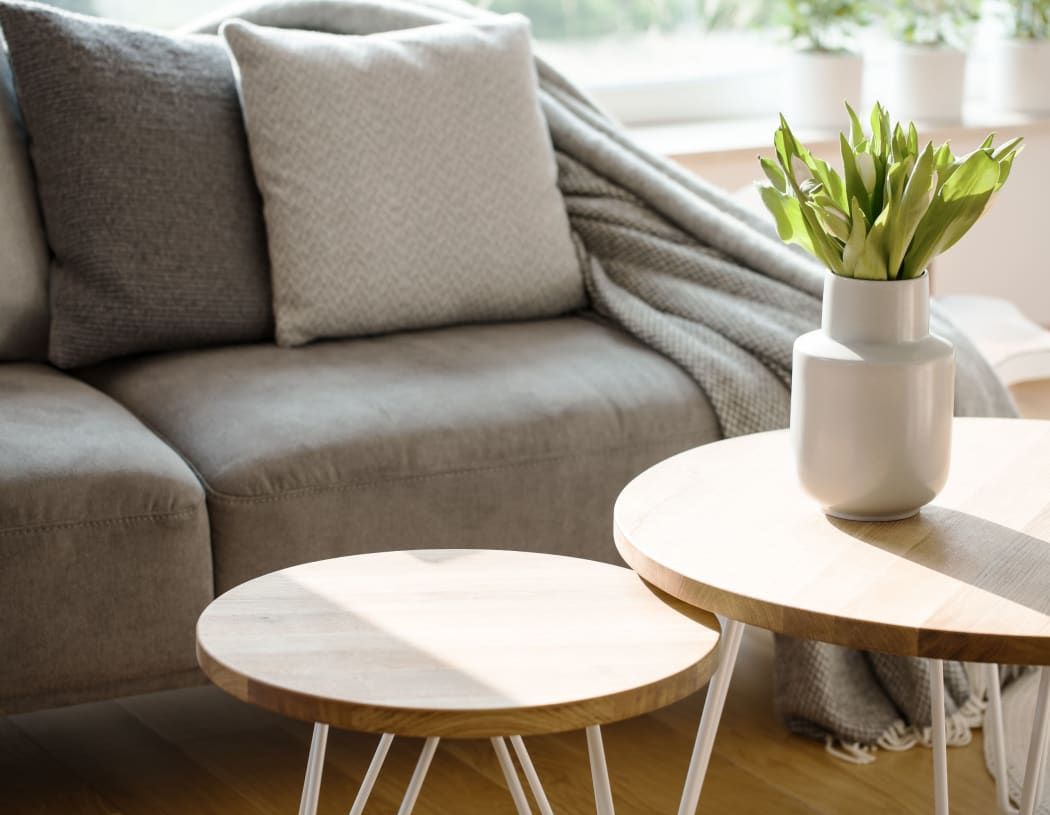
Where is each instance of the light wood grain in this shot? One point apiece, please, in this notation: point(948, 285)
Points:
point(169, 752)
point(726, 527)
point(460, 643)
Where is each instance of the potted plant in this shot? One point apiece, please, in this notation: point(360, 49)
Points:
point(925, 70)
point(1018, 63)
point(873, 390)
point(825, 69)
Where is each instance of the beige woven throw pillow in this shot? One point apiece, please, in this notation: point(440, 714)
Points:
point(408, 178)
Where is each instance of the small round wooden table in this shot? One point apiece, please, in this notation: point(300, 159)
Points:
point(456, 643)
point(727, 528)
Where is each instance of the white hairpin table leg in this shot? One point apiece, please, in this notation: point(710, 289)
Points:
point(993, 730)
point(369, 780)
point(732, 631)
point(510, 774)
point(420, 773)
point(1038, 747)
point(314, 767)
point(940, 737)
point(531, 775)
point(599, 771)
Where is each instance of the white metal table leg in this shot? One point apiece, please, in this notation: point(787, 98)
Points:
point(314, 767)
point(416, 783)
point(732, 631)
point(940, 737)
point(603, 801)
point(531, 775)
point(994, 730)
point(372, 774)
point(1038, 747)
point(510, 774)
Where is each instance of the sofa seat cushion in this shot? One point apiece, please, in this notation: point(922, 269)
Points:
point(515, 435)
point(105, 560)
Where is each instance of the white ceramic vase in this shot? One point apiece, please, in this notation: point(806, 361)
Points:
point(872, 399)
point(923, 83)
point(817, 84)
point(1017, 76)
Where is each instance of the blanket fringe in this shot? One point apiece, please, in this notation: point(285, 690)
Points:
point(901, 736)
point(853, 752)
point(898, 737)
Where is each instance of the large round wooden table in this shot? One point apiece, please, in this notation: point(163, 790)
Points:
point(456, 643)
point(727, 528)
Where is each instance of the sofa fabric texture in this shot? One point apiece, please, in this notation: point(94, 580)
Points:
point(143, 175)
point(24, 255)
point(423, 193)
point(105, 560)
point(517, 435)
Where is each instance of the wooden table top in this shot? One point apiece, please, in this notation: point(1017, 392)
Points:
point(726, 527)
point(456, 643)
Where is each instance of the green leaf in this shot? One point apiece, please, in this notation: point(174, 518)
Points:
point(855, 243)
point(1005, 165)
point(856, 132)
point(880, 131)
point(956, 207)
point(774, 174)
point(831, 217)
point(1011, 146)
point(787, 213)
point(872, 262)
point(900, 143)
point(855, 189)
point(908, 211)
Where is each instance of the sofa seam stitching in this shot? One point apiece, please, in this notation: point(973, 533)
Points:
point(124, 519)
point(260, 498)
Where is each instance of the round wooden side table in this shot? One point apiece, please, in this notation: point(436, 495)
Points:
point(727, 528)
point(460, 644)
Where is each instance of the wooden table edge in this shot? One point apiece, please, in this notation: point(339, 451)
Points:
point(863, 634)
point(465, 723)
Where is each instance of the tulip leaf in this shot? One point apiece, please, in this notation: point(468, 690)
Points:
point(774, 174)
point(955, 208)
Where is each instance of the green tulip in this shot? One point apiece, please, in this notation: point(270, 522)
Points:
point(894, 207)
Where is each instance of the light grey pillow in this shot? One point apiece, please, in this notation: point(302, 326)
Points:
point(408, 178)
point(23, 251)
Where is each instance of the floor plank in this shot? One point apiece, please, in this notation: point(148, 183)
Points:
point(127, 763)
point(31, 781)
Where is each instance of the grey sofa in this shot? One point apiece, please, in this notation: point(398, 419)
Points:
point(135, 491)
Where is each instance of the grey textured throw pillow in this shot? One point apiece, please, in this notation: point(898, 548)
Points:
point(408, 178)
point(145, 184)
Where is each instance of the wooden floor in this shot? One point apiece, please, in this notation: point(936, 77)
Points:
point(198, 752)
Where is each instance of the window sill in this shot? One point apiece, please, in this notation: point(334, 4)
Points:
point(691, 141)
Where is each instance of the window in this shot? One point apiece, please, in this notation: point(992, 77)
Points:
point(644, 60)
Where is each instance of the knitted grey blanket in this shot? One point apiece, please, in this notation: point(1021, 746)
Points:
point(696, 276)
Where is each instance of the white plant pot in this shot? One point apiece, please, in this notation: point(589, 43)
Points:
point(872, 398)
point(1018, 76)
point(816, 86)
point(923, 83)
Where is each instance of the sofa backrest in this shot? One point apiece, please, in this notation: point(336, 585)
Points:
point(24, 255)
